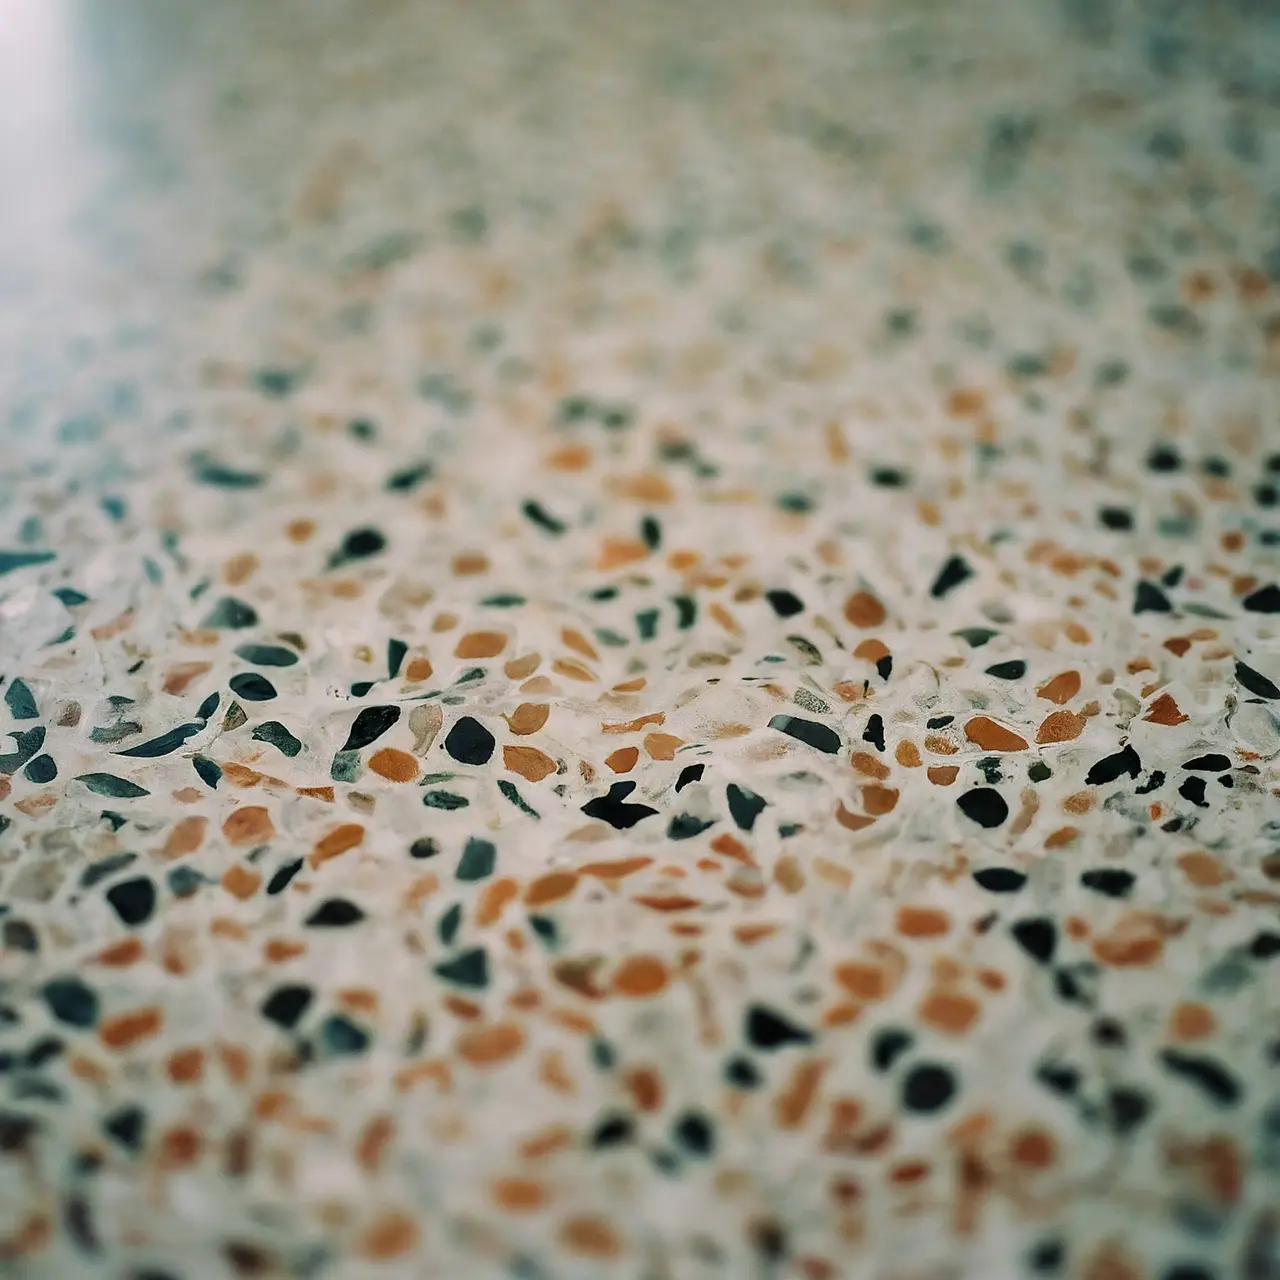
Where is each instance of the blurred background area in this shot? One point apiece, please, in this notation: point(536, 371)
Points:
point(159, 155)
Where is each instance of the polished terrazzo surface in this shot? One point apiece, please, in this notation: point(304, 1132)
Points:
point(640, 640)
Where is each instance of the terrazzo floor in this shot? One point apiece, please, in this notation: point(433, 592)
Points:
point(639, 640)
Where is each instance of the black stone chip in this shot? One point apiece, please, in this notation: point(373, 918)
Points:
point(744, 805)
point(1013, 670)
point(1256, 682)
point(1148, 598)
point(888, 1046)
point(1209, 1075)
point(1264, 600)
point(785, 604)
point(1000, 879)
point(614, 809)
point(1112, 882)
point(369, 726)
point(767, 1029)
point(1117, 519)
point(335, 913)
point(1037, 936)
point(689, 774)
point(612, 1131)
point(1127, 1108)
point(811, 732)
point(133, 900)
point(695, 1133)
point(252, 687)
point(280, 881)
point(955, 571)
point(1193, 789)
point(286, 1005)
point(984, 805)
point(928, 1087)
point(1109, 768)
point(469, 742)
point(1211, 763)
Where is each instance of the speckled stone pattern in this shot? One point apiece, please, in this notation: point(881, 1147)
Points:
point(640, 640)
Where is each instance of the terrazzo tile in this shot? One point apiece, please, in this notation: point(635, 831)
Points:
point(638, 640)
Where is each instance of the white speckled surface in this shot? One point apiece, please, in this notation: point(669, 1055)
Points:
point(639, 640)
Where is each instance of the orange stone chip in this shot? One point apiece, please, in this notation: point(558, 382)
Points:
point(869, 765)
point(879, 800)
point(922, 922)
point(590, 1237)
point(966, 402)
point(872, 651)
point(186, 837)
point(990, 736)
point(250, 825)
point(519, 668)
point(1204, 870)
point(1191, 1021)
point(1124, 949)
point(528, 762)
point(178, 677)
point(863, 980)
point(1164, 710)
point(644, 1085)
point(120, 955)
point(570, 457)
point(1059, 726)
point(127, 1029)
point(394, 765)
point(640, 976)
point(1034, 1148)
point(468, 563)
point(486, 1046)
point(646, 487)
point(337, 842)
point(546, 1142)
point(519, 1195)
point(849, 820)
point(240, 882)
point(623, 760)
point(1061, 689)
point(949, 1011)
point(551, 888)
point(667, 901)
point(620, 551)
point(571, 669)
point(616, 869)
point(418, 669)
point(579, 643)
point(372, 1144)
point(1062, 837)
point(662, 746)
point(528, 718)
point(862, 609)
point(794, 1102)
point(390, 1236)
point(494, 899)
point(480, 644)
point(630, 726)
point(186, 1066)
